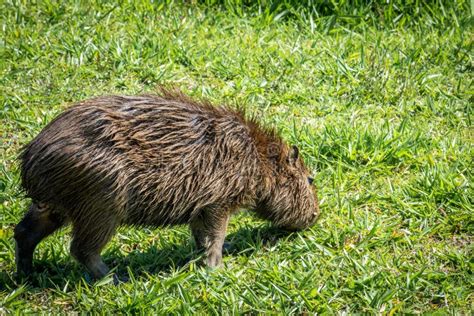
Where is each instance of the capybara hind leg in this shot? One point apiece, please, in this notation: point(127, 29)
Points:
point(40, 221)
point(87, 243)
point(214, 226)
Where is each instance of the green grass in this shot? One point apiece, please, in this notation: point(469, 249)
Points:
point(377, 96)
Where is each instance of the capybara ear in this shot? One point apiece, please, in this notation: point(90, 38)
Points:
point(293, 155)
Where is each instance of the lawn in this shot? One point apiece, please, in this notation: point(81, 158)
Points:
point(377, 95)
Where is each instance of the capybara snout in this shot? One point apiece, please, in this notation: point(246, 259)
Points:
point(156, 160)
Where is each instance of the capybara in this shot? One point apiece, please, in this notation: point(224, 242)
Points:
point(156, 160)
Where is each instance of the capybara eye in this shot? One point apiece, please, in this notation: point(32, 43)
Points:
point(310, 180)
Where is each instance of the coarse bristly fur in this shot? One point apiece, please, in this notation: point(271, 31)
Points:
point(156, 160)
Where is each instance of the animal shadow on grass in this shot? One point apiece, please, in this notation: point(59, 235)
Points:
point(58, 273)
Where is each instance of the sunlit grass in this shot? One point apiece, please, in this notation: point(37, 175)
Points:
point(377, 96)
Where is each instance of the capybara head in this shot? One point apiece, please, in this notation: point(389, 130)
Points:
point(289, 199)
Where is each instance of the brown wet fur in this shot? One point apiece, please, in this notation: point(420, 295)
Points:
point(156, 160)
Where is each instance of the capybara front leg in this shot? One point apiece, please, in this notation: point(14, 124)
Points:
point(39, 222)
point(214, 230)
